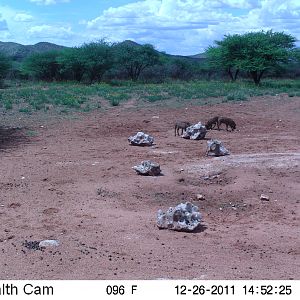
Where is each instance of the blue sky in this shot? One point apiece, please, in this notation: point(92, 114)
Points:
point(174, 26)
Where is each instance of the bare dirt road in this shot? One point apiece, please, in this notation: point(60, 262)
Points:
point(74, 182)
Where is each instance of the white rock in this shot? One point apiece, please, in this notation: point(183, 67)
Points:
point(200, 197)
point(264, 197)
point(48, 243)
point(183, 217)
point(216, 148)
point(195, 132)
point(148, 167)
point(141, 139)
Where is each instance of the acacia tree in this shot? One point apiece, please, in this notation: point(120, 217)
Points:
point(97, 58)
point(265, 50)
point(225, 55)
point(71, 64)
point(253, 52)
point(135, 58)
point(42, 66)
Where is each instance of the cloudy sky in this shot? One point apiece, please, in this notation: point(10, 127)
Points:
point(175, 26)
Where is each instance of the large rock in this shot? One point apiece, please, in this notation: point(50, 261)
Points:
point(216, 148)
point(148, 167)
point(141, 139)
point(183, 217)
point(195, 132)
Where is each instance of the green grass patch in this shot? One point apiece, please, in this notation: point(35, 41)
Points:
point(67, 97)
point(8, 104)
point(25, 110)
point(154, 98)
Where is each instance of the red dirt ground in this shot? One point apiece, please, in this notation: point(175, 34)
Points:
point(74, 182)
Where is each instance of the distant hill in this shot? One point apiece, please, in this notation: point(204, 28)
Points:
point(19, 52)
point(200, 56)
point(130, 43)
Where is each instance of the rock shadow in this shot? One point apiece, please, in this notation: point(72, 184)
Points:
point(200, 228)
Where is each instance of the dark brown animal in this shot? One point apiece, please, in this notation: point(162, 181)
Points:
point(228, 122)
point(212, 123)
point(181, 125)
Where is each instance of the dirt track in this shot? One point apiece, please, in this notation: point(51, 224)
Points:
point(74, 182)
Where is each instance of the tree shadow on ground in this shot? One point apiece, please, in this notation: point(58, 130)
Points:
point(12, 138)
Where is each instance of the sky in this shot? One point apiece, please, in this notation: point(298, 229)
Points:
point(183, 27)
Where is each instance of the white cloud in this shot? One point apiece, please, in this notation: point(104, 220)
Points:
point(189, 26)
point(50, 32)
point(4, 32)
point(3, 25)
point(23, 17)
point(175, 26)
point(49, 2)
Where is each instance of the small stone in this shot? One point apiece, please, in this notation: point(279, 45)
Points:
point(264, 197)
point(200, 197)
point(48, 243)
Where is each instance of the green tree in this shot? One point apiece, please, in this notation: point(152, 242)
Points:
point(72, 64)
point(5, 65)
point(97, 58)
point(253, 52)
point(135, 58)
point(225, 55)
point(42, 66)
